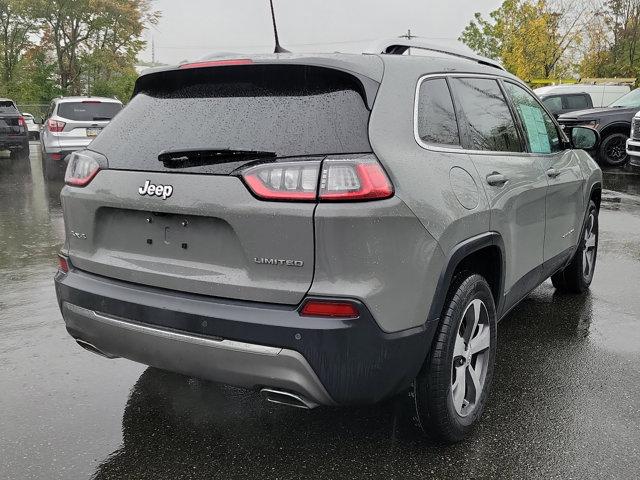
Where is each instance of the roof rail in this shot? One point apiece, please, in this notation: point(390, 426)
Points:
point(397, 46)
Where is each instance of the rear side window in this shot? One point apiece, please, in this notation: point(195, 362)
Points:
point(542, 134)
point(488, 118)
point(436, 118)
point(577, 102)
point(7, 107)
point(288, 110)
point(88, 111)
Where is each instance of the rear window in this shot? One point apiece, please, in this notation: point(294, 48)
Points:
point(290, 110)
point(88, 111)
point(577, 102)
point(7, 107)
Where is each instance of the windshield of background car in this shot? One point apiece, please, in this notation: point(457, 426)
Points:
point(290, 110)
point(630, 100)
point(88, 111)
point(7, 107)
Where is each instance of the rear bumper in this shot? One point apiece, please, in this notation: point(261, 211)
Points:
point(58, 156)
point(226, 361)
point(12, 142)
point(245, 344)
point(55, 144)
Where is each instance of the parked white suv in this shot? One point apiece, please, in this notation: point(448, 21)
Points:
point(71, 124)
point(32, 126)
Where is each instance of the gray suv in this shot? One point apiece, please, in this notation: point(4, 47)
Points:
point(71, 124)
point(329, 229)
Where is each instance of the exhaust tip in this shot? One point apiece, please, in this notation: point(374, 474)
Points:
point(287, 398)
point(93, 349)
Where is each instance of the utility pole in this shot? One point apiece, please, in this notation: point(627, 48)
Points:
point(153, 51)
point(407, 35)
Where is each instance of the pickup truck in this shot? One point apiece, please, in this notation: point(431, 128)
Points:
point(14, 134)
point(614, 125)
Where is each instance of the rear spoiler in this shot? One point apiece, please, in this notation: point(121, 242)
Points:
point(367, 70)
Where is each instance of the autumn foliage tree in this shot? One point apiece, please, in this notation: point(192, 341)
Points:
point(612, 41)
point(532, 38)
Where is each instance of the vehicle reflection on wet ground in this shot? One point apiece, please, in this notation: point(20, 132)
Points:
point(565, 401)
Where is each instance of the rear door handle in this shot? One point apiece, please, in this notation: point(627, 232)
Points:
point(496, 179)
point(553, 173)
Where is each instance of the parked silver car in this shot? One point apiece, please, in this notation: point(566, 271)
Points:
point(71, 124)
point(329, 229)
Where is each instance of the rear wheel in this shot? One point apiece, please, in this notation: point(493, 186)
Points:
point(577, 276)
point(451, 390)
point(613, 149)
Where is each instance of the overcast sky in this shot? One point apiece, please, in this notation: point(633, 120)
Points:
point(191, 29)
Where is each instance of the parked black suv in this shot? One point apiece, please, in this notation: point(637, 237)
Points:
point(14, 135)
point(613, 123)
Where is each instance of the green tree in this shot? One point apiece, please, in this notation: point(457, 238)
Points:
point(16, 28)
point(82, 29)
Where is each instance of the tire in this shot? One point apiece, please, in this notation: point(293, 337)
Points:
point(48, 167)
point(613, 150)
point(578, 275)
point(447, 405)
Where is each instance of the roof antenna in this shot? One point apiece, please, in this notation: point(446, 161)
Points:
point(278, 48)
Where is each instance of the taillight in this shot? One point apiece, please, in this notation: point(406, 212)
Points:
point(334, 179)
point(55, 126)
point(83, 166)
point(292, 181)
point(329, 308)
point(354, 179)
point(21, 121)
point(63, 264)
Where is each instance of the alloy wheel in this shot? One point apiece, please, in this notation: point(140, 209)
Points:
point(589, 247)
point(616, 150)
point(470, 358)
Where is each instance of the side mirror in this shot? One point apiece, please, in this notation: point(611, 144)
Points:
point(584, 138)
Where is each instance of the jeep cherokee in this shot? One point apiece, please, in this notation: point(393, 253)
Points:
point(330, 229)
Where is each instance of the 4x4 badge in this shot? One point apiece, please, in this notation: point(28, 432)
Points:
point(164, 191)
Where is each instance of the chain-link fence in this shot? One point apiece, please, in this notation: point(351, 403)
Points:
point(38, 110)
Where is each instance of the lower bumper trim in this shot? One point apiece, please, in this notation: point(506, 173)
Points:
point(231, 362)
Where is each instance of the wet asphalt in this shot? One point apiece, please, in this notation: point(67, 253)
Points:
point(565, 401)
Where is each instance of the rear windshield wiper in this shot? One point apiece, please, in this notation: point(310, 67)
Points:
point(199, 157)
point(95, 119)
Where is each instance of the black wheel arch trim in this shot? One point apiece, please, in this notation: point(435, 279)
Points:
point(457, 254)
point(605, 130)
point(596, 187)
